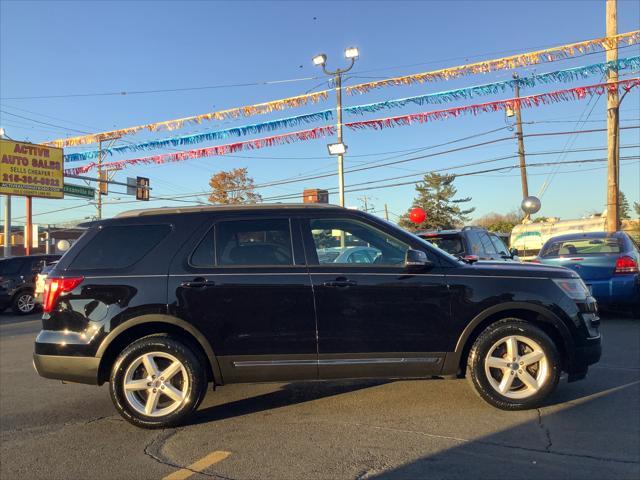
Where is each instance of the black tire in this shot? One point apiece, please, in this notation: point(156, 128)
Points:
point(20, 299)
point(482, 347)
point(194, 367)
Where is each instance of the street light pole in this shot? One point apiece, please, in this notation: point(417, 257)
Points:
point(338, 78)
point(352, 54)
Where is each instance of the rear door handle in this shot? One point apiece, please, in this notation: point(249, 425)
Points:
point(340, 283)
point(198, 283)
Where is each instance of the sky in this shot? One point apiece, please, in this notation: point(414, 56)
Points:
point(80, 55)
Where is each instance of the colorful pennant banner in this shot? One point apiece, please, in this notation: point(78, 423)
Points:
point(206, 136)
point(567, 75)
point(569, 94)
point(247, 111)
point(531, 58)
point(577, 93)
point(504, 63)
point(292, 137)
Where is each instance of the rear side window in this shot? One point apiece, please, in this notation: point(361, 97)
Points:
point(119, 246)
point(582, 246)
point(254, 242)
point(487, 246)
point(449, 243)
point(12, 266)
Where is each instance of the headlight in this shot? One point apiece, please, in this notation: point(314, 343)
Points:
point(574, 288)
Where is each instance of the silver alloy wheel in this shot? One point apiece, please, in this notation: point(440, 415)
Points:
point(26, 303)
point(516, 367)
point(156, 384)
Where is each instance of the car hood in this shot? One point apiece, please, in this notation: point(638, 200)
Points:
point(513, 269)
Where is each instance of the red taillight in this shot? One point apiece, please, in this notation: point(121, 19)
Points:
point(626, 265)
point(53, 287)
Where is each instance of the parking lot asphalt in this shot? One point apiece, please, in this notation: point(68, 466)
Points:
point(350, 429)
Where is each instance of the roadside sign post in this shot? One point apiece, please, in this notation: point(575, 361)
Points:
point(79, 190)
point(30, 170)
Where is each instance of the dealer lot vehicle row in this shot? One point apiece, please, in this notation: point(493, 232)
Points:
point(161, 302)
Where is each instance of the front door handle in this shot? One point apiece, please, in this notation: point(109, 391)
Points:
point(198, 283)
point(341, 282)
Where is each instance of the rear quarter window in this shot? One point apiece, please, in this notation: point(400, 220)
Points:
point(119, 247)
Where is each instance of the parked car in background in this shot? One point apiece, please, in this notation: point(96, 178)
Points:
point(40, 282)
point(608, 264)
point(17, 281)
point(161, 302)
point(470, 243)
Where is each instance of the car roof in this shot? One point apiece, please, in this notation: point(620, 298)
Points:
point(438, 232)
point(227, 208)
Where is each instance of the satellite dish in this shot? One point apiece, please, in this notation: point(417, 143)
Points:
point(63, 245)
point(531, 205)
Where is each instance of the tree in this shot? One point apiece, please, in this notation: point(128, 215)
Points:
point(498, 222)
point(623, 206)
point(636, 207)
point(435, 196)
point(233, 187)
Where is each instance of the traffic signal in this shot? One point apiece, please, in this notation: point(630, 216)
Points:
point(142, 188)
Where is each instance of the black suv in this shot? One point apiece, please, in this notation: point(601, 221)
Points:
point(161, 302)
point(470, 243)
point(17, 281)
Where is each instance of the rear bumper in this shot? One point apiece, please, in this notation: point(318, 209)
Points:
point(71, 369)
point(618, 290)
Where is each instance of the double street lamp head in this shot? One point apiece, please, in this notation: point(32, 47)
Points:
point(352, 53)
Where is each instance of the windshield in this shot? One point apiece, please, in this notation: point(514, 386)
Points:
point(581, 246)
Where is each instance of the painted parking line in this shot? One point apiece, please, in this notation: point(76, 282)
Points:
point(199, 466)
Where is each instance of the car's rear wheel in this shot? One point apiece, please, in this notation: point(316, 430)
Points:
point(514, 365)
point(23, 303)
point(157, 382)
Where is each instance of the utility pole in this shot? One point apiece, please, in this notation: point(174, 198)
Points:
point(386, 212)
point(102, 175)
point(523, 163)
point(7, 216)
point(99, 199)
point(613, 148)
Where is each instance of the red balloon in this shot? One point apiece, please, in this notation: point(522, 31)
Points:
point(417, 215)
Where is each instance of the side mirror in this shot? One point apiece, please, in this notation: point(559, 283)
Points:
point(416, 258)
point(514, 252)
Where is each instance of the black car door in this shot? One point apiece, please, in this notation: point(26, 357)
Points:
point(245, 285)
point(375, 319)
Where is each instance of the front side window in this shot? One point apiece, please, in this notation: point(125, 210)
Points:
point(254, 242)
point(340, 241)
point(487, 246)
point(499, 244)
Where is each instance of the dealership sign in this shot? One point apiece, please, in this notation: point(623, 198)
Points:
point(31, 170)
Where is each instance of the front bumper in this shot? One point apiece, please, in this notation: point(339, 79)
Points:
point(70, 369)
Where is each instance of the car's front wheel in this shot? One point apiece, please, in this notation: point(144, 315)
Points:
point(514, 365)
point(157, 382)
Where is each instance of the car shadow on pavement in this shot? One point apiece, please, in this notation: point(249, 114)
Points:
point(593, 436)
point(290, 394)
